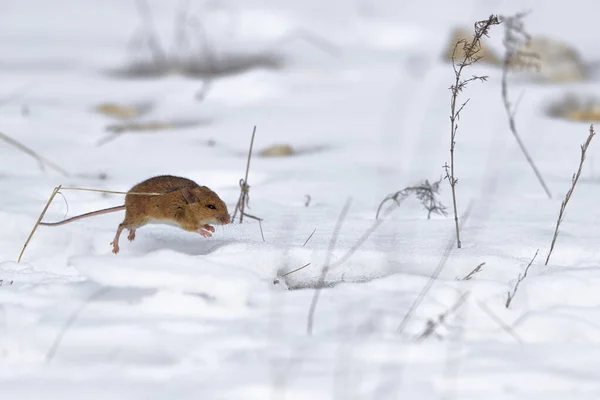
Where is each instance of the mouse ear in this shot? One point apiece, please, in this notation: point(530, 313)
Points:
point(189, 195)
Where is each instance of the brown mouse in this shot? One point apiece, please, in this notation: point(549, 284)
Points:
point(182, 203)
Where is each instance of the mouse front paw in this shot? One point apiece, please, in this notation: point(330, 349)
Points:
point(204, 233)
point(115, 246)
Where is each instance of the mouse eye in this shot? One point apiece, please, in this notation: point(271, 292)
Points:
point(211, 206)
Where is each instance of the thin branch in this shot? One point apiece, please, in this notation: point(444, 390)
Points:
point(311, 235)
point(574, 180)
point(295, 270)
point(245, 188)
point(514, 39)
point(470, 57)
point(520, 278)
point(41, 160)
point(260, 226)
point(325, 268)
point(433, 324)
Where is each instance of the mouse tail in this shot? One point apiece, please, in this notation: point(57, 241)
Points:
point(90, 214)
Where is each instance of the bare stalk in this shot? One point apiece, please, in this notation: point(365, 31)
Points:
point(309, 237)
point(563, 206)
point(245, 189)
point(472, 273)
point(515, 37)
point(520, 278)
point(43, 162)
point(433, 324)
point(470, 50)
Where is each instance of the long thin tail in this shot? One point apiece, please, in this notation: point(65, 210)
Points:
point(90, 214)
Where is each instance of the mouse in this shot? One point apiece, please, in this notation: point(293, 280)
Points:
point(181, 202)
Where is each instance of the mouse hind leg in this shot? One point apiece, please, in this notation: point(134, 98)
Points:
point(130, 224)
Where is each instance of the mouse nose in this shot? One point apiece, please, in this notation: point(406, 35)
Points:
point(225, 219)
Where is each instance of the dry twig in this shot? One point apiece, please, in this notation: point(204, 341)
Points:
point(563, 206)
point(472, 273)
point(433, 324)
point(310, 236)
point(425, 192)
point(470, 50)
point(520, 278)
point(515, 37)
point(245, 189)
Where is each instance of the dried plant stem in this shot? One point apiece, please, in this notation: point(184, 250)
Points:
point(54, 192)
point(563, 206)
point(433, 324)
point(472, 273)
point(41, 160)
point(470, 57)
point(111, 191)
point(514, 37)
point(310, 236)
point(295, 270)
point(245, 188)
point(325, 269)
point(520, 278)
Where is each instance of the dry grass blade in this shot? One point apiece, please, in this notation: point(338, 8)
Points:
point(311, 235)
point(54, 192)
point(470, 56)
point(325, 269)
point(472, 273)
point(514, 39)
point(519, 280)
point(111, 191)
point(563, 206)
point(433, 324)
point(41, 160)
point(295, 270)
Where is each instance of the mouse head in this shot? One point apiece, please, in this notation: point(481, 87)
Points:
point(206, 205)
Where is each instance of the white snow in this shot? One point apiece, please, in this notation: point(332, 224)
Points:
point(175, 315)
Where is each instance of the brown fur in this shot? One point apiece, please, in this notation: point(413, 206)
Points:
point(184, 204)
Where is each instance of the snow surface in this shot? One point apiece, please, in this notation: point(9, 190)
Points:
point(174, 315)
